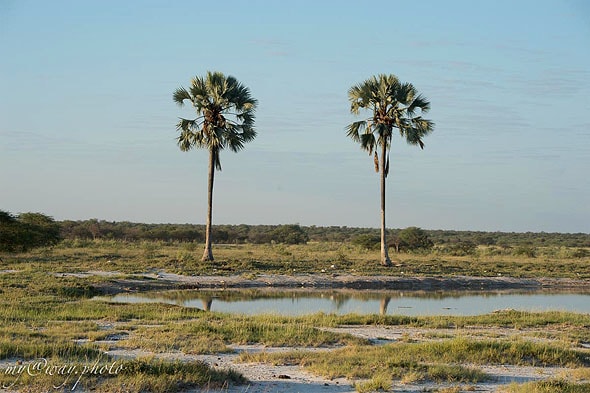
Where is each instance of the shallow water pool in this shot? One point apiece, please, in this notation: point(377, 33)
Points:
point(293, 303)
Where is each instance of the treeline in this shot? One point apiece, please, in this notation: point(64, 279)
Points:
point(295, 234)
point(29, 230)
point(233, 234)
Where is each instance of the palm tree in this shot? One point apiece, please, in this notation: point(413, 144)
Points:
point(225, 119)
point(394, 105)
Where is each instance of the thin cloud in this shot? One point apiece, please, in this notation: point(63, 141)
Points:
point(273, 48)
point(29, 141)
point(553, 83)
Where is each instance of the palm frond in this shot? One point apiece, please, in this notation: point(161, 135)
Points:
point(248, 132)
point(354, 130)
point(414, 136)
point(424, 125)
point(186, 124)
point(186, 140)
point(368, 142)
point(419, 102)
point(180, 95)
point(405, 93)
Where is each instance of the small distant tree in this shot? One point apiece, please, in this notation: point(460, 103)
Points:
point(9, 231)
point(367, 241)
point(26, 231)
point(412, 238)
point(42, 230)
point(458, 247)
point(289, 234)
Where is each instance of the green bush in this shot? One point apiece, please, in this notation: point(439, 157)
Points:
point(289, 234)
point(411, 239)
point(460, 248)
point(26, 231)
point(367, 241)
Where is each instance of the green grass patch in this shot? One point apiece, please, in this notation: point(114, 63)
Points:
point(438, 361)
point(549, 386)
point(375, 384)
point(332, 257)
point(213, 332)
point(506, 318)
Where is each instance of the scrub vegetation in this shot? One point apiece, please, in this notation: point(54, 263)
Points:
point(80, 255)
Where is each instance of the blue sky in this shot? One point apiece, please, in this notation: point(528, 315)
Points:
point(87, 121)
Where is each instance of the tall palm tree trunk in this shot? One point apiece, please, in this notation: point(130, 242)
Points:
point(385, 261)
point(208, 254)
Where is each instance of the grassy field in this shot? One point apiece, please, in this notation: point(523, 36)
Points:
point(49, 316)
point(249, 259)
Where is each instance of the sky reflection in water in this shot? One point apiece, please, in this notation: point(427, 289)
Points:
point(360, 302)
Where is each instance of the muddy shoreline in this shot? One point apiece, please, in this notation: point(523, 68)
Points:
point(165, 281)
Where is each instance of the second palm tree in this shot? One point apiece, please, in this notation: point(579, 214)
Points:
point(394, 105)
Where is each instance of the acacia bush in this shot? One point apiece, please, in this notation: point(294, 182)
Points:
point(289, 234)
point(412, 239)
point(367, 241)
point(459, 248)
point(27, 231)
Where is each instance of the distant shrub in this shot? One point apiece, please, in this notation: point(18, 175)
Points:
point(573, 253)
point(460, 248)
point(526, 251)
point(289, 234)
point(580, 253)
point(367, 241)
point(489, 251)
point(411, 239)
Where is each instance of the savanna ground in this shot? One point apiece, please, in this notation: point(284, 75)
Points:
point(55, 337)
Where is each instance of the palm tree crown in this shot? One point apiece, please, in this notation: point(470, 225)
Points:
point(394, 105)
point(225, 110)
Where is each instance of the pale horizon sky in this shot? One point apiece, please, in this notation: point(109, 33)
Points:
point(87, 120)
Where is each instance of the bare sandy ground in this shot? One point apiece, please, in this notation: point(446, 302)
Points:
point(163, 280)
